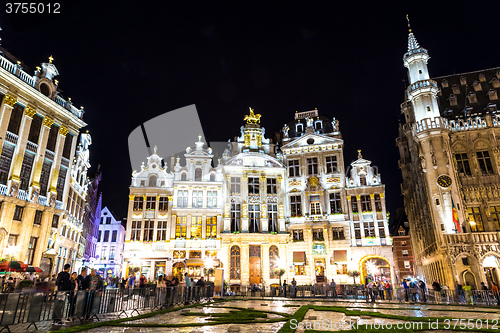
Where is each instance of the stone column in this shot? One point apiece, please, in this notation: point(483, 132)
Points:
point(244, 206)
point(56, 165)
point(39, 157)
point(17, 159)
point(6, 107)
point(264, 221)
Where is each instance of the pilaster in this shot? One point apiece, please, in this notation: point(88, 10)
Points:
point(42, 241)
point(6, 107)
point(27, 228)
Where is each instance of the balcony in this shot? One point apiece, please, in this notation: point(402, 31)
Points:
point(11, 137)
point(49, 155)
point(23, 195)
point(65, 162)
point(180, 243)
point(422, 84)
point(32, 147)
point(211, 243)
point(59, 204)
point(477, 238)
point(3, 189)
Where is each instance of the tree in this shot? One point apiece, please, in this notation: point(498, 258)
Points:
point(353, 274)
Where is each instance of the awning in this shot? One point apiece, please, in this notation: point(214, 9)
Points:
point(195, 262)
point(299, 258)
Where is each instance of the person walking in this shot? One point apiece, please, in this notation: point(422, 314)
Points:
point(437, 290)
point(75, 286)
point(131, 281)
point(406, 289)
point(388, 290)
point(422, 286)
point(467, 291)
point(494, 290)
point(369, 289)
point(381, 290)
point(187, 282)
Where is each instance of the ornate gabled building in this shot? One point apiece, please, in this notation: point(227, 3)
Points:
point(173, 217)
point(337, 223)
point(110, 243)
point(254, 237)
point(450, 166)
point(38, 130)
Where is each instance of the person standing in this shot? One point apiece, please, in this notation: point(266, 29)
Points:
point(406, 290)
point(131, 280)
point(388, 290)
point(369, 289)
point(467, 290)
point(333, 287)
point(187, 282)
point(494, 290)
point(285, 285)
point(381, 290)
point(423, 289)
point(63, 283)
point(294, 288)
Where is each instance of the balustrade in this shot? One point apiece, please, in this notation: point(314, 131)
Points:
point(11, 137)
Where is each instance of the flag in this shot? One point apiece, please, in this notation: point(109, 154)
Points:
point(455, 216)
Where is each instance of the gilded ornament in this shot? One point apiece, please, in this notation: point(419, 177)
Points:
point(131, 197)
point(372, 196)
point(63, 131)
point(9, 100)
point(30, 111)
point(47, 121)
point(252, 118)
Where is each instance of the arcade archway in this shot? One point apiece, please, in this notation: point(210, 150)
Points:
point(376, 266)
point(491, 266)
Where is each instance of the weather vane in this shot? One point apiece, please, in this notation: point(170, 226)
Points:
point(409, 28)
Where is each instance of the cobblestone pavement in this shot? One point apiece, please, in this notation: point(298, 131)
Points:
point(335, 320)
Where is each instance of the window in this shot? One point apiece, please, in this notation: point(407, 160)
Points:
point(114, 235)
point(61, 180)
point(235, 262)
point(357, 230)
point(211, 225)
point(378, 203)
point(25, 174)
point(331, 164)
point(51, 141)
point(338, 233)
point(196, 227)
point(135, 234)
point(381, 230)
point(366, 203)
point(463, 164)
point(68, 142)
point(181, 227)
point(5, 161)
point(369, 229)
point(153, 179)
point(150, 203)
point(12, 240)
point(108, 220)
point(112, 253)
point(253, 186)
point(293, 168)
point(235, 217)
point(273, 261)
point(335, 203)
point(15, 119)
point(272, 215)
point(300, 270)
point(312, 166)
point(341, 269)
point(362, 180)
point(138, 201)
point(299, 128)
point(235, 185)
point(295, 205)
point(495, 215)
point(483, 157)
point(197, 199)
point(36, 125)
point(407, 264)
point(315, 205)
point(55, 221)
point(163, 204)
point(104, 249)
point(102, 220)
point(38, 217)
point(99, 237)
point(182, 198)
point(18, 213)
point(106, 236)
point(354, 204)
point(318, 234)
point(198, 172)
point(254, 218)
point(271, 186)
point(161, 231)
point(475, 219)
point(298, 235)
point(405, 253)
point(211, 199)
point(31, 250)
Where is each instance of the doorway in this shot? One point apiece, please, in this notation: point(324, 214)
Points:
point(320, 270)
point(470, 279)
point(254, 262)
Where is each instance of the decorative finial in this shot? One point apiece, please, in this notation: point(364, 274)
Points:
point(409, 28)
point(359, 154)
point(252, 118)
point(56, 82)
point(155, 148)
point(199, 138)
point(51, 59)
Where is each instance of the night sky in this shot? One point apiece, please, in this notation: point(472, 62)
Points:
point(129, 61)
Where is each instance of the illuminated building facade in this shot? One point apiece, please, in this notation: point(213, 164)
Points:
point(260, 212)
point(450, 166)
point(38, 130)
point(337, 221)
point(110, 243)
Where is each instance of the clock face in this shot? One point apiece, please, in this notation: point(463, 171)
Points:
point(444, 181)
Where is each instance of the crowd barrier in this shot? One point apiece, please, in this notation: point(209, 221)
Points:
point(19, 308)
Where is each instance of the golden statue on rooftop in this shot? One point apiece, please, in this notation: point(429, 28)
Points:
point(252, 118)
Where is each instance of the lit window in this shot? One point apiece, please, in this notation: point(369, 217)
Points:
point(273, 261)
point(181, 227)
point(483, 157)
point(196, 225)
point(272, 215)
point(211, 225)
point(254, 218)
point(235, 217)
point(315, 205)
point(295, 205)
point(298, 235)
point(197, 199)
point(475, 219)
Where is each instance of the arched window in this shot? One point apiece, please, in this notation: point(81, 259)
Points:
point(197, 174)
point(153, 180)
point(273, 261)
point(235, 262)
point(63, 231)
point(183, 176)
point(299, 128)
point(212, 177)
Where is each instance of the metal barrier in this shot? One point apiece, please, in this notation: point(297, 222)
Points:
point(19, 308)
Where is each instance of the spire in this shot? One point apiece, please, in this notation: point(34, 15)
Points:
point(359, 154)
point(412, 41)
